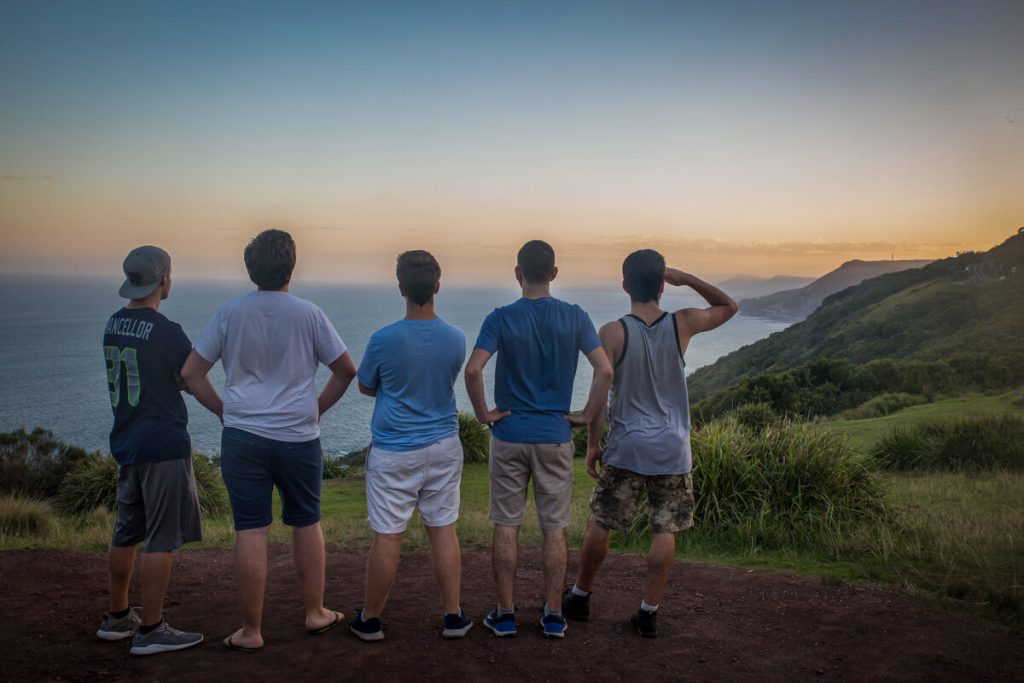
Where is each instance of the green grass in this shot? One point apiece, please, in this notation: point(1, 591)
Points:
point(955, 538)
point(864, 434)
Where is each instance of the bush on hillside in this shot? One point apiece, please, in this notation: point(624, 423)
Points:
point(786, 484)
point(35, 463)
point(475, 438)
point(827, 386)
point(962, 445)
point(21, 516)
point(755, 416)
point(93, 484)
point(882, 405)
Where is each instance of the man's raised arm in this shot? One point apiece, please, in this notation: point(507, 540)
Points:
point(696, 320)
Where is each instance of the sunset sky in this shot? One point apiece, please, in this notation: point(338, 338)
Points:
point(761, 138)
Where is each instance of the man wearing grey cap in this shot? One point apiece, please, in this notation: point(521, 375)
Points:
point(157, 501)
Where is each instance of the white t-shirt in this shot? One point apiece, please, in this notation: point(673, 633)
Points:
point(271, 344)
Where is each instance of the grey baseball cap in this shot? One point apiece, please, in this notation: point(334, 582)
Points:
point(144, 268)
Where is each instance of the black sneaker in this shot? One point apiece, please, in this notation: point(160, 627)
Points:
point(456, 625)
point(575, 607)
point(645, 623)
point(366, 629)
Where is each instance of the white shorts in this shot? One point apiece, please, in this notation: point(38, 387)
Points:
point(427, 478)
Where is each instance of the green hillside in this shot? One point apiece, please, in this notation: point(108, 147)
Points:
point(971, 303)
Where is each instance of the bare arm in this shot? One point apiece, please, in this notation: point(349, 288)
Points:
point(475, 388)
point(196, 376)
point(696, 320)
point(367, 391)
point(597, 400)
point(612, 338)
point(342, 372)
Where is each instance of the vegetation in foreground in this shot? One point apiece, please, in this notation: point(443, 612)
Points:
point(772, 494)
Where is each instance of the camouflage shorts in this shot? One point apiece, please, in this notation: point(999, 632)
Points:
point(618, 493)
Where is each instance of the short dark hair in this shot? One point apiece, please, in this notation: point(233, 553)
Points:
point(418, 273)
point(642, 274)
point(270, 259)
point(536, 260)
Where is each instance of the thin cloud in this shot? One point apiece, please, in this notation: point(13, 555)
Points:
point(766, 248)
point(25, 177)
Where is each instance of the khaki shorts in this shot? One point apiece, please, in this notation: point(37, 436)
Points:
point(512, 465)
point(617, 495)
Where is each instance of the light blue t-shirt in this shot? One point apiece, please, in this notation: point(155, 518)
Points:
point(538, 342)
point(413, 365)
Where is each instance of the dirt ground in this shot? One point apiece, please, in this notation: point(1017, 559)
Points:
point(716, 623)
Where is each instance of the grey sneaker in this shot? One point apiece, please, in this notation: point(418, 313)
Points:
point(164, 638)
point(118, 628)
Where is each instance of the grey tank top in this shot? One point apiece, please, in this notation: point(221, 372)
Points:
point(649, 409)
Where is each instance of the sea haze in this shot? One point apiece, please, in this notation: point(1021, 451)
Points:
point(53, 369)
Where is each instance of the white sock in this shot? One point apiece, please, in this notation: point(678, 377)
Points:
point(648, 608)
point(548, 611)
point(576, 590)
point(502, 611)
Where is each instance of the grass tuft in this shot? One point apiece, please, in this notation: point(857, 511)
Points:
point(21, 516)
point(964, 445)
point(475, 438)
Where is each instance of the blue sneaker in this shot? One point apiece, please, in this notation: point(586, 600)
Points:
point(554, 625)
point(456, 625)
point(369, 630)
point(503, 625)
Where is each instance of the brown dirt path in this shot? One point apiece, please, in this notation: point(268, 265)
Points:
point(717, 623)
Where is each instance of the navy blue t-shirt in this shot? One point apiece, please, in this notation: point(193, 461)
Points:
point(144, 352)
point(538, 342)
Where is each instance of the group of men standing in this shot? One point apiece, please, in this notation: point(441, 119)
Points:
point(271, 343)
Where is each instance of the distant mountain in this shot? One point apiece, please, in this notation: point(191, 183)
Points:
point(747, 286)
point(973, 302)
point(797, 304)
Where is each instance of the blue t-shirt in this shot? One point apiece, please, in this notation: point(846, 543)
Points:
point(413, 365)
point(538, 342)
point(144, 352)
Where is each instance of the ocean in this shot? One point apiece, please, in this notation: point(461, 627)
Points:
point(52, 367)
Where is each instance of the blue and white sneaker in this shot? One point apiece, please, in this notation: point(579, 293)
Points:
point(554, 625)
point(503, 625)
point(456, 625)
point(369, 630)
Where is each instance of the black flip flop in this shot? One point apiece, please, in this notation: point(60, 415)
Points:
point(230, 644)
point(338, 618)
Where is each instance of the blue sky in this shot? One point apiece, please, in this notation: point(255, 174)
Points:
point(728, 134)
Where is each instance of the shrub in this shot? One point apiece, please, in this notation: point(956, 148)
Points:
point(334, 467)
point(35, 463)
point(961, 445)
point(882, 405)
point(213, 497)
point(475, 438)
point(20, 516)
point(90, 484)
point(93, 484)
point(579, 440)
point(786, 484)
point(755, 416)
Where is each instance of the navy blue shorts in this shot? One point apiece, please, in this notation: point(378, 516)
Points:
point(253, 465)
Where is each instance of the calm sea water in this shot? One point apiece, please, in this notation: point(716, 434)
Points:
point(52, 370)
